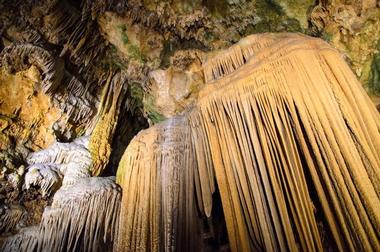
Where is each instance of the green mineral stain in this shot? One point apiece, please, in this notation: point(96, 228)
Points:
point(112, 61)
point(374, 76)
point(273, 18)
point(123, 33)
point(152, 114)
point(136, 94)
point(135, 53)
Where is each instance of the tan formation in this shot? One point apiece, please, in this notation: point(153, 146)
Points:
point(281, 117)
point(159, 211)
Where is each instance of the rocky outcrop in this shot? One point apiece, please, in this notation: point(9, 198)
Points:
point(352, 28)
point(18, 57)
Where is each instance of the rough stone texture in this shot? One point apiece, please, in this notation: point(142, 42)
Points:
point(27, 114)
point(354, 29)
point(170, 91)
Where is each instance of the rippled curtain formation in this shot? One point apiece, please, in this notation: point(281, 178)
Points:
point(281, 117)
point(159, 212)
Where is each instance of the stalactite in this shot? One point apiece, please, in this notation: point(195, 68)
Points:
point(158, 207)
point(293, 107)
point(9, 217)
point(281, 115)
point(75, 99)
point(25, 240)
point(46, 177)
point(68, 92)
point(107, 117)
point(85, 210)
point(59, 164)
point(77, 33)
point(82, 217)
point(18, 57)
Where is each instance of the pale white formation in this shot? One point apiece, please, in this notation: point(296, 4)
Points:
point(84, 211)
point(60, 164)
point(46, 177)
point(25, 240)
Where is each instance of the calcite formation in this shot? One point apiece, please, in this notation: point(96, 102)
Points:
point(107, 118)
point(282, 106)
point(84, 212)
point(82, 217)
point(10, 216)
point(158, 207)
point(60, 164)
point(289, 136)
point(20, 56)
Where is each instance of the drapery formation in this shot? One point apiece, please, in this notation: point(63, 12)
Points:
point(159, 211)
point(287, 133)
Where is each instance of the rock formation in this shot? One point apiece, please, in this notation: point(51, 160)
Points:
point(84, 211)
point(158, 207)
point(282, 106)
point(276, 122)
point(226, 130)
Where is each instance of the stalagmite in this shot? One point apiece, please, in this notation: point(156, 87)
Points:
point(288, 134)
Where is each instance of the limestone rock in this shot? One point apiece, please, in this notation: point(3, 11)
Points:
point(353, 28)
point(173, 89)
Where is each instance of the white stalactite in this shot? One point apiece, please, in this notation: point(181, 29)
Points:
point(85, 210)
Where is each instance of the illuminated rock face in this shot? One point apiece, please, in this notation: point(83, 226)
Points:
point(26, 114)
point(281, 130)
point(290, 138)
